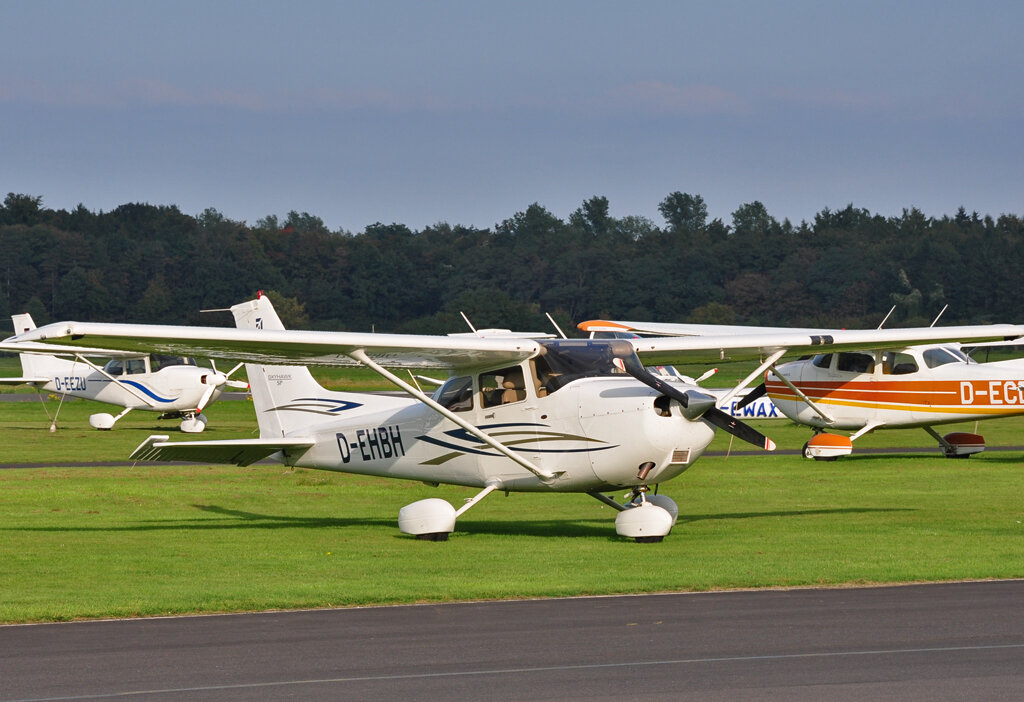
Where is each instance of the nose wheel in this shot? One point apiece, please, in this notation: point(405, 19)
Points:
point(645, 518)
point(193, 423)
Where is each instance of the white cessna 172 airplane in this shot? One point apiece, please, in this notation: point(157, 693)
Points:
point(889, 387)
point(516, 415)
point(172, 385)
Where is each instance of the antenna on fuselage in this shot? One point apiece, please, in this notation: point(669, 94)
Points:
point(891, 310)
point(939, 315)
point(555, 325)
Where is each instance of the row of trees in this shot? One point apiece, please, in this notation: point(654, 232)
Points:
point(144, 263)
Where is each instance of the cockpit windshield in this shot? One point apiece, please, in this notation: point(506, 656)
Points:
point(565, 360)
point(125, 366)
point(936, 357)
point(158, 362)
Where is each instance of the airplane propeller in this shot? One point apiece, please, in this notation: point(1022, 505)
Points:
point(696, 404)
point(215, 380)
point(759, 391)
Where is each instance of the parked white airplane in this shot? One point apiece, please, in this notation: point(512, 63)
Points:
point(889, 387)
point(173, 385)
point(517, 415)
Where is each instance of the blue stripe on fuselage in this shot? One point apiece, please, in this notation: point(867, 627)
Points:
point(147, 391)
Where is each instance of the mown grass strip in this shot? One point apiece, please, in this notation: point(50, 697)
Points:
point(154, 539)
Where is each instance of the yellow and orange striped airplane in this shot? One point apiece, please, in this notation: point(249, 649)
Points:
point(865, 380)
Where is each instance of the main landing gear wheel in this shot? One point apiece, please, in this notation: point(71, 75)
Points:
point(104, 421)
point(962, 444)
point(431, 519)
point(827, 447)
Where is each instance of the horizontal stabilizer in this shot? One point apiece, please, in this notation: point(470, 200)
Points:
point(240, 452)
point(25, 381)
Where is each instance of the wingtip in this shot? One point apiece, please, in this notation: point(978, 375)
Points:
point(769, 445)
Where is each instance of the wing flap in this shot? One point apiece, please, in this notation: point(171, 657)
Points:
point(239, 452)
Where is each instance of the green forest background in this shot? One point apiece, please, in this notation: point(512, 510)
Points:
point(846, 268)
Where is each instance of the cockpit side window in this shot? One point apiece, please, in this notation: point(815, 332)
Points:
point(157, 362)
point(134, 365)
point(125, 366)
point(853, 362)
point(456, 394)
point(898, 363)
point(502, 387)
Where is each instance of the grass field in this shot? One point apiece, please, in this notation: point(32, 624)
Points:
point(80, 542)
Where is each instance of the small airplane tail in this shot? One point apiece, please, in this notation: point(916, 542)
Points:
point(287, 398)
point(33, 364)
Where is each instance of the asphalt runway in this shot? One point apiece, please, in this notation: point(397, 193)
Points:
point(923, 642)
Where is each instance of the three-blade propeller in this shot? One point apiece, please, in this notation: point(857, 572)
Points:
point(216, 379)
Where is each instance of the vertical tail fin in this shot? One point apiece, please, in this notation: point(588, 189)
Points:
point(274, 388)
point(23, 323)
point(32, 364)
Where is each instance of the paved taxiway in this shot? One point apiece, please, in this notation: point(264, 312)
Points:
point(926, 642)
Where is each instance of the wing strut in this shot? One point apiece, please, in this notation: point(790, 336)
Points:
point(810, 403)
point(769, 362)
point(124, 386)
point(360, 356)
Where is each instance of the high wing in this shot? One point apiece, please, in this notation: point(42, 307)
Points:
point(284, 347)
point(673, 329)
point(267, 346)
point(678, 343)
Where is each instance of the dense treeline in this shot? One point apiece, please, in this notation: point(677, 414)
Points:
point(143, 263)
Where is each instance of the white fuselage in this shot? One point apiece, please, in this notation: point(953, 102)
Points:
point(171, 389)
point(906, 394)
point(594, 433)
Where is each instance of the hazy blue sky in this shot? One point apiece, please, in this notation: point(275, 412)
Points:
point(468, 112)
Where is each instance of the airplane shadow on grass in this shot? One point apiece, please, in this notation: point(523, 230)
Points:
point(605, 527)
point(590, 528)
